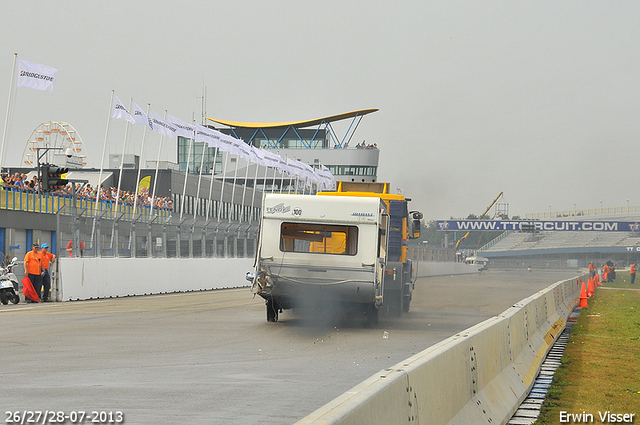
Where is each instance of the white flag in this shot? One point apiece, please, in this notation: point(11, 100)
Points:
point(184, 129)
point(119, 111)
point(160, 125)
point(271, 159)
point(325, 174)
point(308, 173)
point(260, 159)
point(295, 167)
point(140, 117)
point(36, 76)
point(282, 166)
point(226, 143)
point(209, 136)
point(237, 147)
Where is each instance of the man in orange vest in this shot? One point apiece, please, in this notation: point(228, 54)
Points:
point(46, 258)
point(33, 268)
point(632, 271)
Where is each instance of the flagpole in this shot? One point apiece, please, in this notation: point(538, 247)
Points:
point(124, 146)
point(264, 182)
point(253, 196)
point(155, 179)
point(233, 189)
point(282, 175)
point(289, 188)
point(186, 175)
point(224, 174)
point(204, 147)
point(244, 189)
point(273, 179)
point(206, 217)
point(104, 148)
point(6, 118)
point(144, 138)
point(213, 171)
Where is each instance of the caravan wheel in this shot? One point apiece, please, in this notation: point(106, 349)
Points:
point(272, 311)
point(372, 315)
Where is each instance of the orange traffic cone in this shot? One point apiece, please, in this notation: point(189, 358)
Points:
point(598, 280)
point(590, 288)
point(583, 297)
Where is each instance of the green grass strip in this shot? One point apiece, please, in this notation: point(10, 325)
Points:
point(600, 370)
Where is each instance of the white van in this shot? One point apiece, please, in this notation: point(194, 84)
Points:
point(480, 262)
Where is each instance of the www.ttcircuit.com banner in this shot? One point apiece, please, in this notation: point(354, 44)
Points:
point(540, 225)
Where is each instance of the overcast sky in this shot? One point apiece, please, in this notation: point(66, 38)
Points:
point(539, 100)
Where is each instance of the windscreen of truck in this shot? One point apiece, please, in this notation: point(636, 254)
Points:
point(318, 238)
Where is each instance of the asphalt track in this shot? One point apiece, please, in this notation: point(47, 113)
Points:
point(211, 357)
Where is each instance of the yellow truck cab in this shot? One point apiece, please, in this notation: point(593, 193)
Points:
point(403, 225)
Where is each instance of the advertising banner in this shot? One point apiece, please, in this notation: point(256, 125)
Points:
point(538, 225)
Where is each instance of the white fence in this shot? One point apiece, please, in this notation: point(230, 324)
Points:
point(87, 278)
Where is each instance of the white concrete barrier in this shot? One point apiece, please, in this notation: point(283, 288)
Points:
point(86, 278)
point(479, 376)
point(434, 268)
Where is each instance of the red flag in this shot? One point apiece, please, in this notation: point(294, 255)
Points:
point(28, 290)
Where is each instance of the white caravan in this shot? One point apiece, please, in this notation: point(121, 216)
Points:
point(319, 251)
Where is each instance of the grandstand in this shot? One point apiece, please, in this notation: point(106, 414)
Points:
point(559, 246)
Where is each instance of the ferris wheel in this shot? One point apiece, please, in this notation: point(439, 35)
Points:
point(53, 134)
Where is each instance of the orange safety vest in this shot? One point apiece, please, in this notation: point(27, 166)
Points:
point(32, 263)
point(46, 259)
point(633, 268)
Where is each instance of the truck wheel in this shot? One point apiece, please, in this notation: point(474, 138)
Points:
point(397, 305)
point(372, 315)
point(407, 304)
point(272, 311)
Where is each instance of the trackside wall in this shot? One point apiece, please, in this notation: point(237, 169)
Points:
point(479, 376)
point(436, 268)
point(86, 278)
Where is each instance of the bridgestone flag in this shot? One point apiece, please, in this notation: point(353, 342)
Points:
point(140, 116)
point(182, 128)
point(36, 76)
point(208, 136)
point(119, 111)
point(162, 126)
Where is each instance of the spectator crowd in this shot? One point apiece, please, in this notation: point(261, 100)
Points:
point(19, 182)
point(363, 145)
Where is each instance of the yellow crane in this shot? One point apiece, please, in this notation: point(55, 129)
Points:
point(482, 215)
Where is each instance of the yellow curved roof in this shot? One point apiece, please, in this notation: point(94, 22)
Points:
point(296, 124)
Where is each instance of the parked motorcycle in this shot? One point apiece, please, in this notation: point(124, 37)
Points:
point(8, 282)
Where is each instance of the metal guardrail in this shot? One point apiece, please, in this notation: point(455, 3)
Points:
point(107, 232)
point(52, 203)
point(583, 212)
point(155, 237)
point(420, 253)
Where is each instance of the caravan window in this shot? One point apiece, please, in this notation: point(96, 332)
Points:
point(319, 238)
